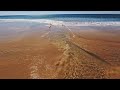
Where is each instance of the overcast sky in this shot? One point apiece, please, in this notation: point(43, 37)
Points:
point(55, 12)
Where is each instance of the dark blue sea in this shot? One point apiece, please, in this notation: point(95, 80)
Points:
point(69, 17)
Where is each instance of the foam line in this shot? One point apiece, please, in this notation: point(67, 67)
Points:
point(56, 23)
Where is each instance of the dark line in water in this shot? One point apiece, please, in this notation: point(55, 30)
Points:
point(90, 53)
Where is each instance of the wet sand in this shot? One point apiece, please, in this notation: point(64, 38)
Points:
point(59, 52)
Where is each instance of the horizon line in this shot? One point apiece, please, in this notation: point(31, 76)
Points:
point(55, 12)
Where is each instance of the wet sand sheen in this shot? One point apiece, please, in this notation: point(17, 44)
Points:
point(57, 54)
point(29, 56)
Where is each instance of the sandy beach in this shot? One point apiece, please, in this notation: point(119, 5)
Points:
point(59, 52)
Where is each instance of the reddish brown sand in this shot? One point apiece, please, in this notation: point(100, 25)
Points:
point(57, 54)
point(104, 46)
point(30, 57)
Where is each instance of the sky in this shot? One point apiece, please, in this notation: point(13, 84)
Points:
point(55, 12)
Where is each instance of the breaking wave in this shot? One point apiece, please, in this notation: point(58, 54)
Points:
point(55, 22)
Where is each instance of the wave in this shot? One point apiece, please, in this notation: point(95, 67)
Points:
point(55, 22)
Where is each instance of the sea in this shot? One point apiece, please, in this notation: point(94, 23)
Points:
point(67, 19)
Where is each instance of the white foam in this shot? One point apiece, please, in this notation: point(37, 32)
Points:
point(54, 22)
point(33, 20)
point(92, 23)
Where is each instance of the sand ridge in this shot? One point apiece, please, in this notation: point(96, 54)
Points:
point(59, 53)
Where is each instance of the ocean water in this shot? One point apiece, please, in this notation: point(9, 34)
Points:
point(67, 19)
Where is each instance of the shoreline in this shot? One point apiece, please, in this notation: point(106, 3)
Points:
point(49, 52)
